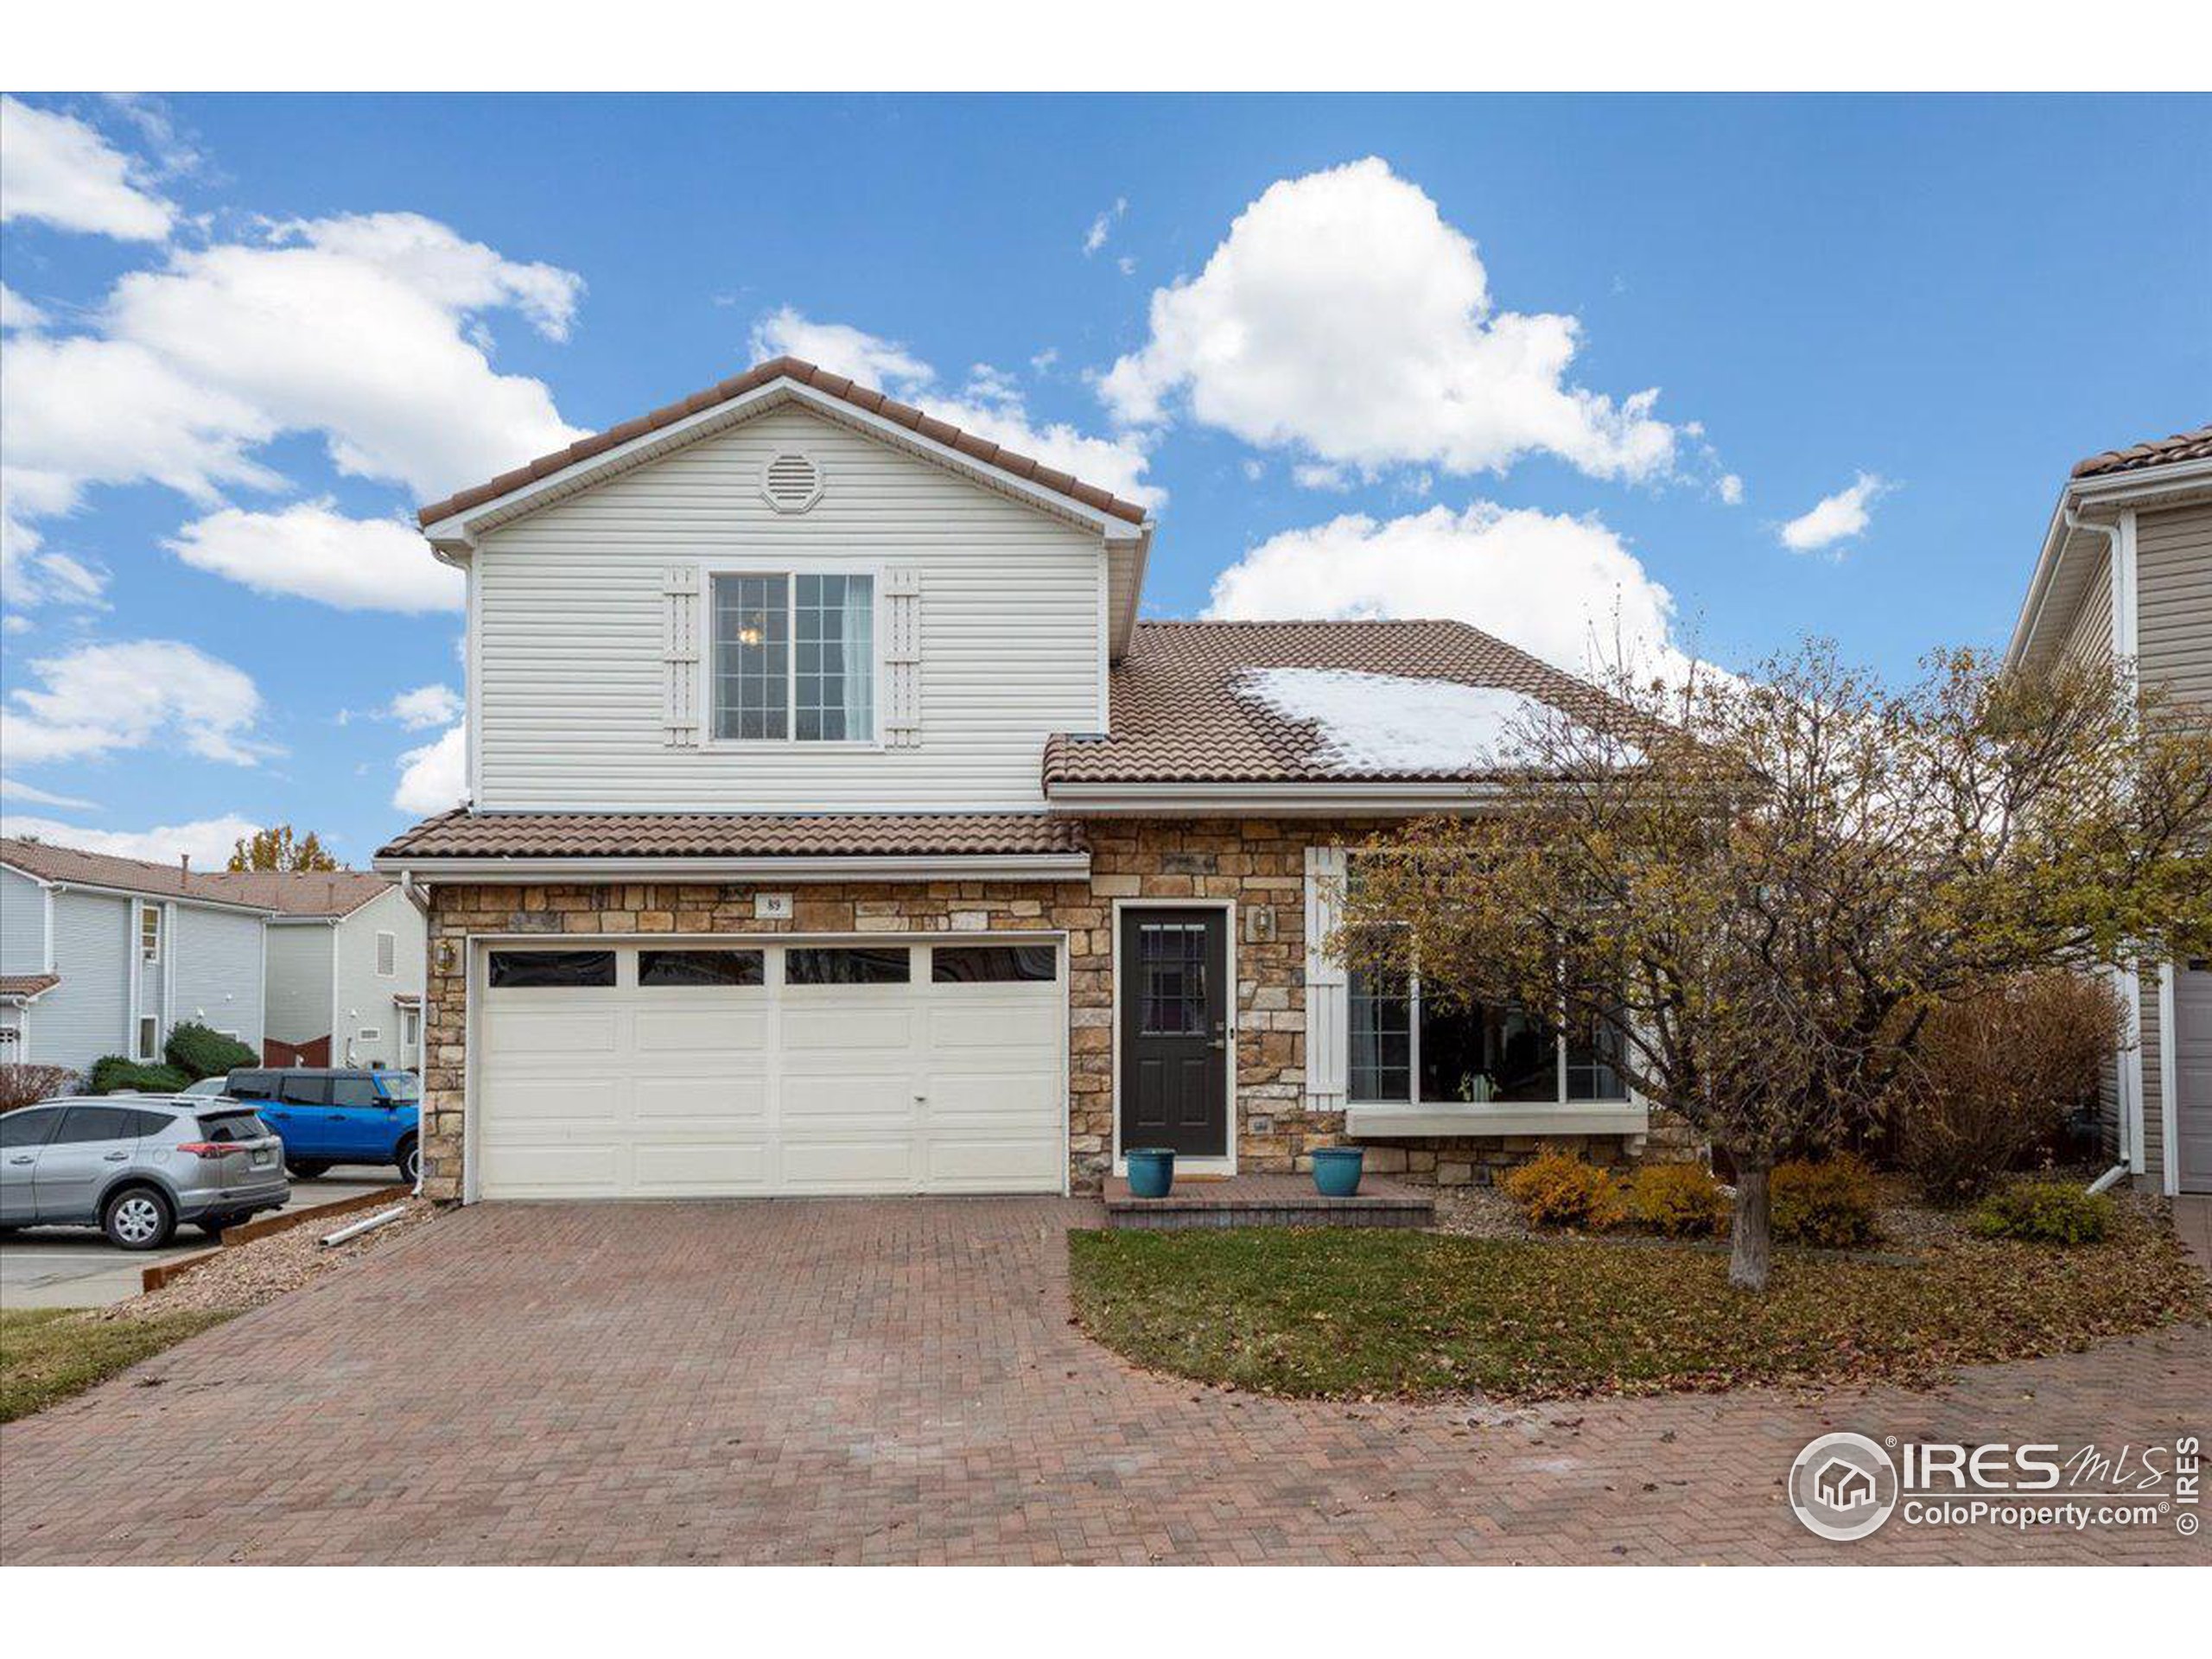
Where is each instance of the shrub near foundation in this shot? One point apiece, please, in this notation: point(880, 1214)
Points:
point(1557, 1189)
point(2047, 1212)
point(1678, 1201)
point(1828, 1204)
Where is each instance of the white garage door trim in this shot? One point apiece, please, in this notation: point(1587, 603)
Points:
point(778, 1002)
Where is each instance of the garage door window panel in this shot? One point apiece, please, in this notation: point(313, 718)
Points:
point(701, 968)
point(808, 966)
point(993, 965)
point(515, 970)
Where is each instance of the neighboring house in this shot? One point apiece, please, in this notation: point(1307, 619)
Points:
point(837, 826)
point(102, 955)
point(346, 953)
point(2126, 570)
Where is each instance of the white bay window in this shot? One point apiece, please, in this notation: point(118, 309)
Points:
point(1407, 1049)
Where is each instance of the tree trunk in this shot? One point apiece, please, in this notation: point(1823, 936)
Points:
point(1751, 1238)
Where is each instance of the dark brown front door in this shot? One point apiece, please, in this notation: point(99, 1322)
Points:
point(1175, 1008)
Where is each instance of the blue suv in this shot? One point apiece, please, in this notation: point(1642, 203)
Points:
point(330, 1116)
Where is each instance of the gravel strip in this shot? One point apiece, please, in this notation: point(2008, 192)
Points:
point(268, 1267)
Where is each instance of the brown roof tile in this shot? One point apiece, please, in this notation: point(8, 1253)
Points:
point(1178, 715)
point(51, 862)
point(299, 892)
point(2157, 452)
point(26, 985)
point(753, 380)
point(465, 834)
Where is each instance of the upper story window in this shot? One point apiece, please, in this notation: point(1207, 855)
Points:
point(794, 658)
point(387, 955)
point(149, 933)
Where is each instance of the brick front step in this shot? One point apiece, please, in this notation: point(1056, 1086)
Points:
point(1268, 1201)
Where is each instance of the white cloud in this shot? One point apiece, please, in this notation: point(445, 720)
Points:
point(882, 364)
point(1562, 589)
point(12, 790)
point(63, 172)
point(1343, 316)
point(31, 576)
point(17, 313)
point(368, 329)
point(424, 706)
point(98, 699)
point(1732, 489)
point(436, 776)
point(209, 841)
point(310, 550)
point(1834, 517)
point(989, 405)
point(1103, 226)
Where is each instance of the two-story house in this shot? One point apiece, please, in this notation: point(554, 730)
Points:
point(835, 826)
point(345, 980)
point(100, 955)
point(2126, 571)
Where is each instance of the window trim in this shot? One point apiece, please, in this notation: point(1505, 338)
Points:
point(147, 1039)
point(790, 569)
point(150, 953)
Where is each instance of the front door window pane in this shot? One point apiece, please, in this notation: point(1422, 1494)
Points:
point(1172, 963)
point(752, 656)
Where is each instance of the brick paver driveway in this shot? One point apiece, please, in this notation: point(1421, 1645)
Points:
point(897, 1382)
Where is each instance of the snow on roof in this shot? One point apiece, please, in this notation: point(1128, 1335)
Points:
point(1391, 723)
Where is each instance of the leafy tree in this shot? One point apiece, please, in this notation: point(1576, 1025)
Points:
point(275, 848)
point(1755, 892)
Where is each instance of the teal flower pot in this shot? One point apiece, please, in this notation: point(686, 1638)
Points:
point(1336, 1171)
point(1152, 1172)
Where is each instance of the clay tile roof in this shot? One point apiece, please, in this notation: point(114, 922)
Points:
point(465, 834)
point(26, 985)
point(2157, 452)
point(51, 862)
point(1182, 711)
point(806, 374)
point(299, 892)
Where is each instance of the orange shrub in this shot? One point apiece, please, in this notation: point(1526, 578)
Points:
point(1557, 1189)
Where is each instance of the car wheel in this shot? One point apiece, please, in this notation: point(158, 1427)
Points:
point(304, 1169)
point(410, 1159)
point(139, 1218)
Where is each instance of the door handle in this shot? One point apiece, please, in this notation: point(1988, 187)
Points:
point(25, 1159)
point(115, 1157)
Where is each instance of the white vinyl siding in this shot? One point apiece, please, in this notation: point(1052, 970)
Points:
point(23, 924)
point(299, 981)
point(215, 970)
point(366, 1031)
point(88, 1014)
point(2173, 602)
point(574, 709)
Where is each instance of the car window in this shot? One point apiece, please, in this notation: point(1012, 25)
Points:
point(354, 1091)
point(232, 1125)
point(27, 1129)
point(82, 1123)
point(135, 1123)
point(403, 1086)
point(251, 1085)
point(303, 1092)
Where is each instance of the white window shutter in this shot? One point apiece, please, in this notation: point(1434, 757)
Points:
point(680, 652)
point(1328, 1022)
point(902, 658)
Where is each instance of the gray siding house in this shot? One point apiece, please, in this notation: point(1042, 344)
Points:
point(2126, 570)
point(103, 955)
point(345, 968)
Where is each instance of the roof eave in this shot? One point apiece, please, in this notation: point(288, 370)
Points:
point(435, 870)
point(2119, 490)
point(1334, 797)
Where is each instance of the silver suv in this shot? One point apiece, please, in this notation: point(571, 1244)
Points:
point(136, 1165)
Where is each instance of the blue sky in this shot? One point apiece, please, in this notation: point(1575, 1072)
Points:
point(1365, 355)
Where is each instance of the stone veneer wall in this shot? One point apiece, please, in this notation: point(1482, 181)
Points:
point(1261, 864)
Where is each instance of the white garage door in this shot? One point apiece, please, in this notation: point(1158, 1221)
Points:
point(739, 1069)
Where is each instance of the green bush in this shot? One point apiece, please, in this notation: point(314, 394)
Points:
point(114, 1073)
point(1830, 1205)
point(2048, 1212)
point(1678, 1200)
point(198, 1053)
point(1557, 1189)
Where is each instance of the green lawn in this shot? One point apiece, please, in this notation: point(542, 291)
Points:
point(1352, 1312)
point(49, 1353)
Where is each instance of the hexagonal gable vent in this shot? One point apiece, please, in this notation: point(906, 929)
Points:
point(791, 481)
